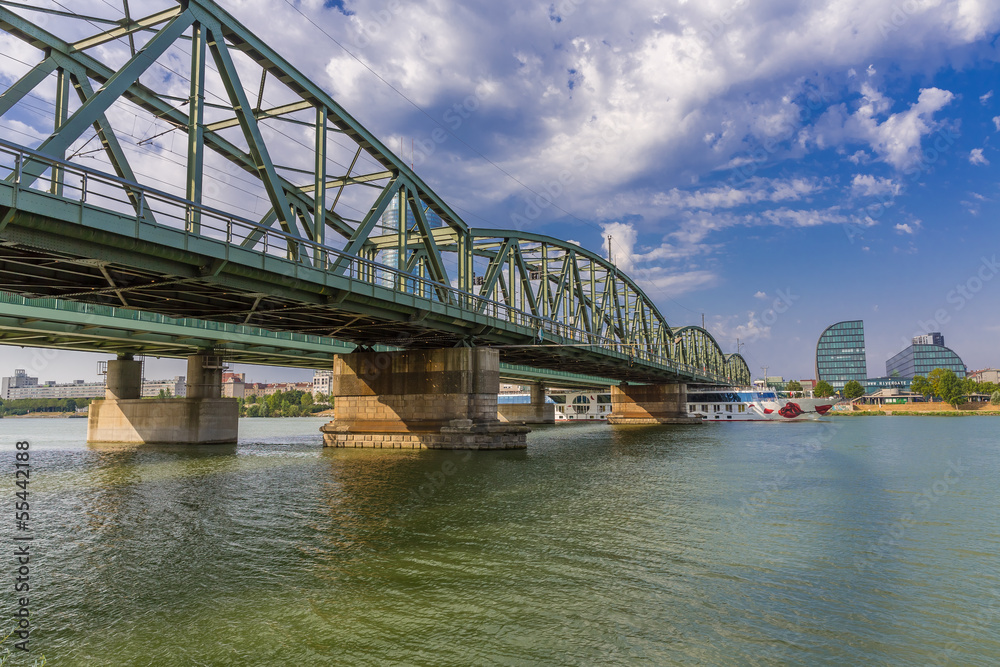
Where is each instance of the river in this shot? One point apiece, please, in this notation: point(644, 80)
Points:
point(853, 541)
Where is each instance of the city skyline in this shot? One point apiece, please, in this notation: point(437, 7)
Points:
point(776, 168)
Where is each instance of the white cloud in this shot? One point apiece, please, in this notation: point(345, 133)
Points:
point(866, 185)
point(976, 157)
point(622, 247)
point(996, 122)
point(985, 98)
point(904, 228)
point(749, 331)
point(760, 295)
point(897, 138)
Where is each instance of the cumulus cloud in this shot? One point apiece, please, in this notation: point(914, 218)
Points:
point(985, 98)
point(866, 185)
point(895, 138)
point(759, 294)
point(905, 228)
point(976, 157)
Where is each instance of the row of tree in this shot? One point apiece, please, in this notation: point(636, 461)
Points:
point(23, 406)
point(944, 384)
point(940, 383)
point(294, 403)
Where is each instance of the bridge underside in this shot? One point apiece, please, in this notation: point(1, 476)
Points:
point(42, 256)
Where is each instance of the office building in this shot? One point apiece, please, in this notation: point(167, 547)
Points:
point(840, 354)
point(922, 358)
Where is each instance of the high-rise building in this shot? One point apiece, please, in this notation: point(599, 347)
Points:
point(840, 354)
point(921, 358)
point(933, 338)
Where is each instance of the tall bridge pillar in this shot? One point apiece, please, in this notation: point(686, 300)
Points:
point(535, 412)
point(200, 418)
point(433, 399)
point(650, 404)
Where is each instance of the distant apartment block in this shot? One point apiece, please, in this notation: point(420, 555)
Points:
point(986, 375)
point(266, 389)
point(20, 386)
point(233, 385)
point(322, 382)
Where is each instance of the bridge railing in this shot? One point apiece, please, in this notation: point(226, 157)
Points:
point(149, 207)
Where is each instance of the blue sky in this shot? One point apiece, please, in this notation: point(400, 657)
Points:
point(776, 166)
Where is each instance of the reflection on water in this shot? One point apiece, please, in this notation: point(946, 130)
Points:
point(730, 543)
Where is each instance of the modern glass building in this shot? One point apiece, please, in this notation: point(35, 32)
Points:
point(840, 354)
point(921, 359)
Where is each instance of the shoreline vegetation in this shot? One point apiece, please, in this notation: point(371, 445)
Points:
point(920, 410)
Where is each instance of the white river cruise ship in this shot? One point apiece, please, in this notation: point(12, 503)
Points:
point(713, 404)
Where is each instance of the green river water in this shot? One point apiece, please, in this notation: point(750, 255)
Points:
point(852, 541)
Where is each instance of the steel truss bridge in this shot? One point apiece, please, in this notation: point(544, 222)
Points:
point(185, 169)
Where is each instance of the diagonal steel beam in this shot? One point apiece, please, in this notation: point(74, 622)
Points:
point(435, 263)
point(97, 104)
point(360, 235)
point(26, 84)
point(248, 124)
point(110, 142)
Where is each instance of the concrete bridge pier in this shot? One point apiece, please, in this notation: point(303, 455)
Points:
point(200, 418)
point(650, 404)
point(536, 412)
point(413, 399)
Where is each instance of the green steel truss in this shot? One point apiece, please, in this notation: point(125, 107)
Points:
point(86, 327)
point(352, 243)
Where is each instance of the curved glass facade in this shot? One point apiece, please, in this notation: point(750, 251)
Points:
point(840, 354)
point(922, 359)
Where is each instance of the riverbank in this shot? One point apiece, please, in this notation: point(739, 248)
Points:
point(916, 413)
point(46, 415)
point(922, 410)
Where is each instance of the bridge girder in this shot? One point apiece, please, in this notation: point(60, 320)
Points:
point(388, 228)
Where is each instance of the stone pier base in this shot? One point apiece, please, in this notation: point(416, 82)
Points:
point(536, 412)
point(202, 418)
point(175, 421)
point(433, 399)
point(650, 404)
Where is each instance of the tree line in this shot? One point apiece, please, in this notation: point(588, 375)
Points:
point(293, 403)
point(940, 383)
point(23, 406)
point(944, 384)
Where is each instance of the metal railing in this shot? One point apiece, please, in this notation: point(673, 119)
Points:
point(150, 207)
